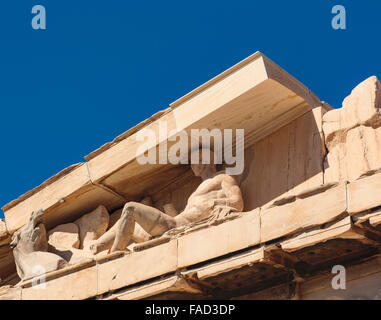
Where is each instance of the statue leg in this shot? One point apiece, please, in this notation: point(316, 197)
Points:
point(152, 220)
point(105, 241)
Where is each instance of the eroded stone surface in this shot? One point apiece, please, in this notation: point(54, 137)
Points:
point(76, 285)
point(314, 210)
point(137, 266)
point(361, 107)
point(308, 238)
point(359, 153)
point(64, 241)
point(364, 194)
point(219, 240)
point(3, 229)
point(92, 225)
point(74, 256)
point(64, 236)
point(10, 293)
point(353, 134)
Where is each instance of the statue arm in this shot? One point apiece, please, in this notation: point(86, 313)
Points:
point(233, 194)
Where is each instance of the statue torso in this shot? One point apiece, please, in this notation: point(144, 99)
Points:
point(202, 202)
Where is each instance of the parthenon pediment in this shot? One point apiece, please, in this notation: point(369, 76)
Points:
point(254, 95)
point(305, 195)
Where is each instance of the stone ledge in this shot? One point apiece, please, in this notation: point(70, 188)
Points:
point(364, 193)
point(215, 241)
point(59, 273)
point(137, 266)
point(343, 229)
point(171, 284)
point(10, 293)
point(77, 285)
point(228, 264)
point(302, 213)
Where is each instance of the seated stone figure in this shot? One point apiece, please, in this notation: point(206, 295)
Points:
point(216, 197)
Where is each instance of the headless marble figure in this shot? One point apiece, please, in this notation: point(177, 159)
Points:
point(216, 196)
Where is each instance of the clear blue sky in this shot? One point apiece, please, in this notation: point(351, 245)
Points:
point(103, 66)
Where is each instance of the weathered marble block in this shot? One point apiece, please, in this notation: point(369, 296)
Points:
point(215, 241)
point(353, 134)
point(92, 225)
point(303, 212)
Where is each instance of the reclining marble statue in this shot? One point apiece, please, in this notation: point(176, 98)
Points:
point(216, 197)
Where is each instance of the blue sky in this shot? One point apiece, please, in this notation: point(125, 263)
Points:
point(100, 67)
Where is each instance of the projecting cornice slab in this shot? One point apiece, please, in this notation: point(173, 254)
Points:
point(255, 95)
